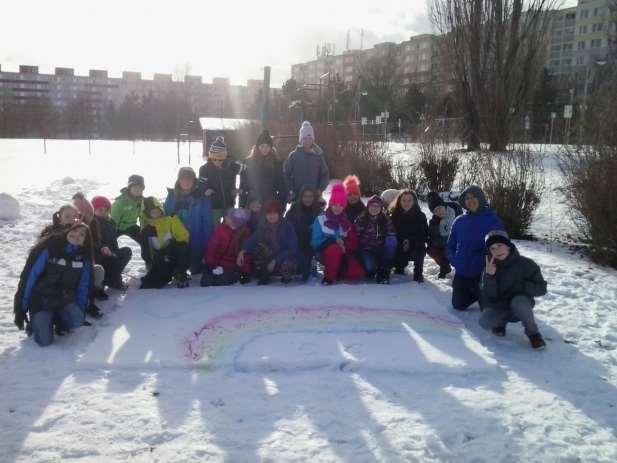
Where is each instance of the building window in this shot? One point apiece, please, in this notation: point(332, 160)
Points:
point(555, 47)
point(582, 30)
point(581, 45)
point(598, 11)
point(580, 60)
point(567, 47)
point(596, 43)
point(584, 14)
point(597, 27)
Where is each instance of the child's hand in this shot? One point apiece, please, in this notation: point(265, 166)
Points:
point(240, 259)
point(106, 251)
point(491, 267)
point(209, 192)
point(341, 243)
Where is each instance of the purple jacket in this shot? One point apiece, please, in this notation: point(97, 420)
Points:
point(375, 233)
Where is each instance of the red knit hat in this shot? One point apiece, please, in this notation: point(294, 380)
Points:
point(338, 196)
point(272, 205)
point(100, 202)
point(352, 185)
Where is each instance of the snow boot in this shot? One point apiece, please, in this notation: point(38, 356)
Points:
point(536, 341)
point(245, 278)
point(383, 277)
point(182, 280)
point(399, 271)
point(499, 331)
point(443, 272)
point(288, 270)
point(100, 294)
point(94, 311)
point(326, 282)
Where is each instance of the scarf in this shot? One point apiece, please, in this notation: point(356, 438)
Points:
point(335, 222)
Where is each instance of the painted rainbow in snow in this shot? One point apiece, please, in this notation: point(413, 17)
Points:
point(226, 332)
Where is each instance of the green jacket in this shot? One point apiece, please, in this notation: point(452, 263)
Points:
point(126, 210)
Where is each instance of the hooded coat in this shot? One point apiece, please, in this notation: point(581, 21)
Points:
point(262, 178)
point(306, 168)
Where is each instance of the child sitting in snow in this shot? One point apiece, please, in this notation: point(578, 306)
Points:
point(273, 247)
point(220, 268)
point(62, 220)
point(355, 206)
point(509, 284)
point(168, 242)
point(335, 241)
point(411, 233)
point(377, 241)
point(219, 174)
point(301, 215)
point(438, 231)
point(107, 253)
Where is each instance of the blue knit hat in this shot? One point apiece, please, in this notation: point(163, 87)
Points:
point(218, 149)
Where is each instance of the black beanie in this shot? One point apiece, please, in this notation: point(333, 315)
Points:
point(497, 236)
point(264, 138)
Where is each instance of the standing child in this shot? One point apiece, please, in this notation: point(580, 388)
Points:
point(510, 283)
point(377, 241)
point(54, 285)
point(301, 215)
point(273, 247)
point(126, 211)
point(112, 257)
point(438, 232)
point(168, 242)
point(334, 240)
point(411, 232)
point(219, 174)
point(355, 206)
point(223, 248)
point(187, 201)
point(62, 220)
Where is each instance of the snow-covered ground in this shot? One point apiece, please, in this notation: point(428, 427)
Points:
point(303, 373)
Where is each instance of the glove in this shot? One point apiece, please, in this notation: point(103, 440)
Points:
point(20, 318)
point(217, 270)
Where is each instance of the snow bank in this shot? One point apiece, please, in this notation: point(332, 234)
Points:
point(9, 207)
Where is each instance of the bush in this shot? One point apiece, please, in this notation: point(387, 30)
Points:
point(407, 175)
point(439, 164)
point(513, 182)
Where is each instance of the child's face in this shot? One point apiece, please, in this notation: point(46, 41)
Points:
point(308, 198)
point(374, 209)
point(186, 183)
point(407, 202)
point(255, 207)
point(471, 203)
point(217, 162)
point(337, 209)
point(264, 149)
point(136, 190)
point(353, 198)
point(440, 211)
point(102, 212)
point(307, 143)
point(500, 251)
point(272, 217)
point(77, 236)
point(68, 216)
point(156, 213)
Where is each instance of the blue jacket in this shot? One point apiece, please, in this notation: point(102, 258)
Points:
point(195, 212)
point(38, 270)
point(286, 238)
point(466, 248)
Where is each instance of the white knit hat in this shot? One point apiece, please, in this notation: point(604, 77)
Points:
point(306, 131)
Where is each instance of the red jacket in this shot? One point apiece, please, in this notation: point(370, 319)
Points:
point(224, 246)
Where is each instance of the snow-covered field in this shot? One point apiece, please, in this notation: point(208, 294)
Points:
point(303, 373)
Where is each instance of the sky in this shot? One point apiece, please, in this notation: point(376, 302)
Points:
point(228, 38)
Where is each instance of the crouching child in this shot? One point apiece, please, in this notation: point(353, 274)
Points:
point(168, 244)
point(220, 268)
point(509, 284)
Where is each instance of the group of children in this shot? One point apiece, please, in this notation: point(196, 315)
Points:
point(199, 231)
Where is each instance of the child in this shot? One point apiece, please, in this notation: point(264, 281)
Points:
point(438, 231)
point(84, 207)
point(355, 206)
point(301, 215)
point(62, 220)
point(220, 267)
point(334, 239)
point(411, 233)
point(127, 210)
point(54, 285)
point(377, 241)
point(188, 202)
point(256, 215)
point(219, 175)
point(273, 247)
point(108, 254)
point(510, 282)
point(168, 241)
point(466, 250)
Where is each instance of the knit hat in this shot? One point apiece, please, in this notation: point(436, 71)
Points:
point(264, 138)
point(272, 205)
point(238, 217)
point(352, 185)
point(338, 197)
point(389, 195)
point(375, 200)
point(99, 202)
point(497, 236)
point(151, 203)
point(218, 150)
point(306, 131)
point(136, 180)
point(83, 206)
point(434, 201)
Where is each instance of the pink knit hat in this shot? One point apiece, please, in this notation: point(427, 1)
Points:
point(338, 196)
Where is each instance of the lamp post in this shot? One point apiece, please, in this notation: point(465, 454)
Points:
point(584, 106)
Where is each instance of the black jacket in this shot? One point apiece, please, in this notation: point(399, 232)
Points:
point(263, 179)
point(222, 180)
point(302, 219)
point(411, 226)
point(353, 211)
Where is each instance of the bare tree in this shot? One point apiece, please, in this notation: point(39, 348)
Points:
point(381, 80)
point(496, 51)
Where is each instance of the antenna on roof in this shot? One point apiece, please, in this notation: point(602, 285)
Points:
point(361, 39)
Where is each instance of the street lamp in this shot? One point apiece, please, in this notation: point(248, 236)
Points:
point(588, 70)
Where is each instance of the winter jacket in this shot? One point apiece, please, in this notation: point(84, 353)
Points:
point(515, 276)
point(126, 210)
point(466, 249)
point(302, 218)
point(286, 240)
point(57, 276)
point(160, 232)
point(353, 211)
point(108, 236)
point(224, 246)
point(411, 226)
point(322, 235)
point(306, 169)
point(262, 178)
point(222, 180)
point(375, 232)
point(439, 229)
point(194, 210)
